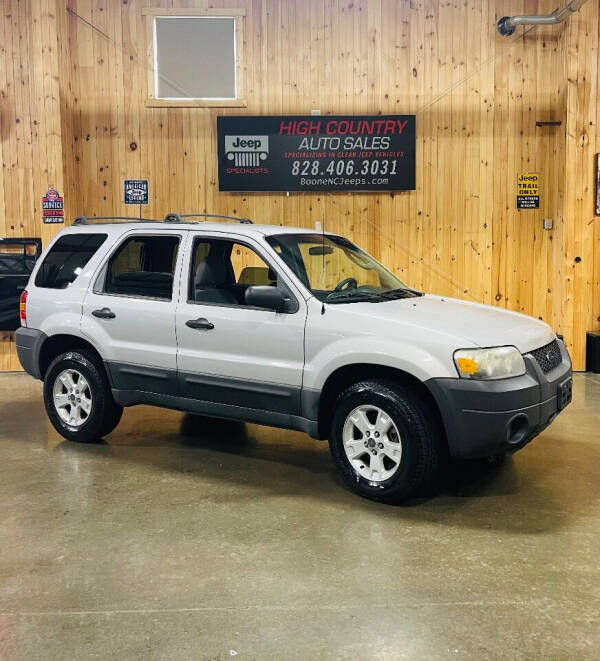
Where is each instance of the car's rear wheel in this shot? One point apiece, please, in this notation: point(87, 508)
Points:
point(384, 441)
point(78, 399)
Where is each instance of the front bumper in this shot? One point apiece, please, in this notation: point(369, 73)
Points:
point(483, 418)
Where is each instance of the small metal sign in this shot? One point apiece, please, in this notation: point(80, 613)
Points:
point(317, 153)
point(136, 191)
point(53, 207)
point(528, 190)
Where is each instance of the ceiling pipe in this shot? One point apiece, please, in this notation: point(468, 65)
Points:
point(508, 24)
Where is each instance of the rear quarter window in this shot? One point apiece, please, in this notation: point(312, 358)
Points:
point(66, 259)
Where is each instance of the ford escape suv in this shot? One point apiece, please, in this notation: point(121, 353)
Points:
point(283, 327)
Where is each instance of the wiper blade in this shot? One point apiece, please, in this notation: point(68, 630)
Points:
point(372, 296)
point(403, 290)
point(400, 292)
point(353, 297)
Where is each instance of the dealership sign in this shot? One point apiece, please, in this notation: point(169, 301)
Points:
point(317, 153)
point(53, 207)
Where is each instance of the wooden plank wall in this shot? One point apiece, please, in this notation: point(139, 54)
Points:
point(477, 96)
point(581, 245)
point(30, 125)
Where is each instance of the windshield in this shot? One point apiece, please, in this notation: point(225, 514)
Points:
point(337, 271)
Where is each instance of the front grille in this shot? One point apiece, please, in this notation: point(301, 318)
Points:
point(548, 357)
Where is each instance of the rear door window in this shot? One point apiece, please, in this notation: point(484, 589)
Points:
point(66, 259)
point(143, 267)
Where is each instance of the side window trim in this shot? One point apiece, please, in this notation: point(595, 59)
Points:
point(242, 241)
point(100, 280)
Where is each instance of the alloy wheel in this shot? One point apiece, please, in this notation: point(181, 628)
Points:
point(372, 443)
point(72, 397)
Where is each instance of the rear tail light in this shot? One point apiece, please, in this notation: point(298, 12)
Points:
point(23, 308)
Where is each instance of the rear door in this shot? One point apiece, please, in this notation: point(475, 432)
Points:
point(130, 311)
point(241, 356)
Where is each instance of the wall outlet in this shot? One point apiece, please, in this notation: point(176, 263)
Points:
point(547, 223)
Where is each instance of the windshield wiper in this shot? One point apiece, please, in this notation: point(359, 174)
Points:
point(372, 296)
point(398, 292)
point(352, 297)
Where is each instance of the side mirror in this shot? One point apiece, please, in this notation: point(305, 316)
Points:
point(265, 296)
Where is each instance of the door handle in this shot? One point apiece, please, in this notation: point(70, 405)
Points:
point(104, 313)
point(199, 324)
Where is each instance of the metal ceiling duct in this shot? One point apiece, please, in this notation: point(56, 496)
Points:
point(508, 24)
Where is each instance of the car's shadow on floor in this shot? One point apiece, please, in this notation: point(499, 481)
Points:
point(238, 438)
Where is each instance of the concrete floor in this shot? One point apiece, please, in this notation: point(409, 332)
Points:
point(182, 538)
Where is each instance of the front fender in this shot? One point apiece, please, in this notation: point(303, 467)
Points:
point(374, 350)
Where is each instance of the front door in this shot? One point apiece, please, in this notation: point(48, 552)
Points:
point(228, 352)
point(130, 313)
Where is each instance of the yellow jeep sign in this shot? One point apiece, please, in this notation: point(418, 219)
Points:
point(528, 190)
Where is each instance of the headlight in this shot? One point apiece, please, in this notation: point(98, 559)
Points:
point(494, 363)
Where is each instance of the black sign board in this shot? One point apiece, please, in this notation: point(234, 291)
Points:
point(135, 191)
point(317, 153)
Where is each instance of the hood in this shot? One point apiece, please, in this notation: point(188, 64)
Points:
point(472, 324)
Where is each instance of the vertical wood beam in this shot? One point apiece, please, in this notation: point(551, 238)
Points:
point(581, 145)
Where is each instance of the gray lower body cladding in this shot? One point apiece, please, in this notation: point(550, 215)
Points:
point(217, 410)
point(222, 397)
point(29, 343)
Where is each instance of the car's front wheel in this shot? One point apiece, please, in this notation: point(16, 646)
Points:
point(78, 399)
point(384, 441)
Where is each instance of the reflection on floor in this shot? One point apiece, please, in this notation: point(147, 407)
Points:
point(186, 538)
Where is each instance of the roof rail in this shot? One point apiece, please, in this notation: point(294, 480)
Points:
point(169, 218)
point(86, 220)
point(178, 218)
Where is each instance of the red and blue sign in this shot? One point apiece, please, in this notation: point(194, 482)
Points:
point(53, 207)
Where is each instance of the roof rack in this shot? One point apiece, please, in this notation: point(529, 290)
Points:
point(86, 220)
point(169, 218)
point(178, 218)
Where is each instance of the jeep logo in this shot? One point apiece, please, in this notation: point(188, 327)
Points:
point(250, 144)
point(246, 150)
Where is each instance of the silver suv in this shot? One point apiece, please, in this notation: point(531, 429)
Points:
point(284, 327)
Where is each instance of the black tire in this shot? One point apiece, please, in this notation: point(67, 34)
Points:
point(420, 436)
point(105, 413)
point(112, 418)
